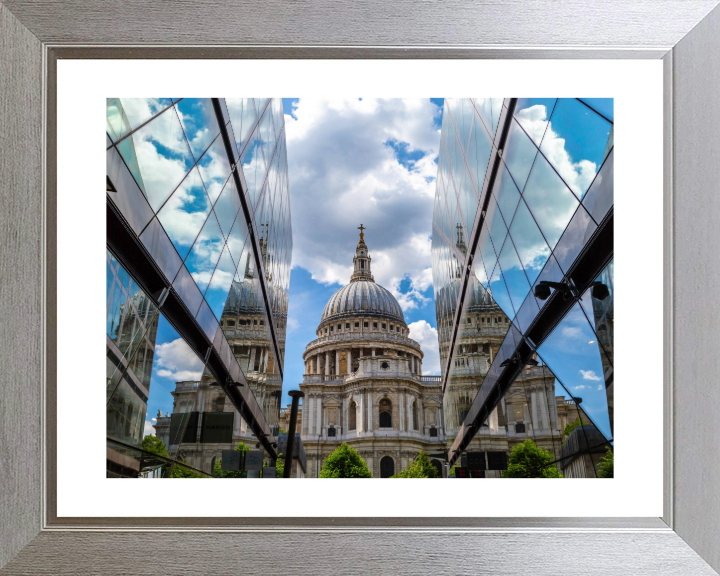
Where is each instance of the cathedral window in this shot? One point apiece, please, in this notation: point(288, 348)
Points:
point(357, 324)
point(387, 467)
point(362, 263)
point(352, 416)
point(332, 328)
point(331, 431)
point(375, 325)
point(347, 325)
point(433, 432)
point(519, 428)
point(365, 324)
point(339, 326)
point(384, 326)
point(385, 413)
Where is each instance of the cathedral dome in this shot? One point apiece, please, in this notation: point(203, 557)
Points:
point(362, 296)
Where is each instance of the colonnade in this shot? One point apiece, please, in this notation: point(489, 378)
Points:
point(314, 414)
point(313, 362)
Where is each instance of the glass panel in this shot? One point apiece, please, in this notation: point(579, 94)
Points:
point(227, 206)
point(603, 105)
point(500, 292)
point(215, 168)
point(574, 238)
point(487, 250)
point(199, 122)
point(575, 142)
point(550, 201)
point(125, 114)
point(253, 165)
point(187, 290)
point(531, 246)
point(600, 196)
point(478, 154)
point(495, 224)
point(515, 278)
point(185, 212)
point(220, 284)
point(205, 253)
point(506, 193)
point(571, 352)
point(533, 114)
point(161, 154)
point(161, 249)
point(242, 115)
point(519, 154)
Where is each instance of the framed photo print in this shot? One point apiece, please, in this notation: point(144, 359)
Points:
point(372, 259)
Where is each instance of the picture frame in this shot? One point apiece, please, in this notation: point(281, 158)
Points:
point(34, 36)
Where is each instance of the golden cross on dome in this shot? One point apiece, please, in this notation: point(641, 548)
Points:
point(361, 228)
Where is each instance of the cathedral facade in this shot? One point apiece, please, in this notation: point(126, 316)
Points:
point(363, 381)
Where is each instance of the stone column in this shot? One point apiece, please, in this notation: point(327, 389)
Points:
point(373, 351)
point(303, 428)
point(337, 362)
point(369, 412)
point(542, 395)
point(411, 424)
point(360, 403)
point(401, 410)
point(251, 365)
point(318, 415)
point(327, 363)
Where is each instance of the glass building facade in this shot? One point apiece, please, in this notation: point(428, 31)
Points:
point(522, 257)
point(199, 242)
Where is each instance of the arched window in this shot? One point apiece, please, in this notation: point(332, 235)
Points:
point(385, 413)
point(387, 467)
point(352, 416)
point(433, 432)
point(415, 416)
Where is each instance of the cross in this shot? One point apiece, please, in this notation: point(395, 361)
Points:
point(361, 228)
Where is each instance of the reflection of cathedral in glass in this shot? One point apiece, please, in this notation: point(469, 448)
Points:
point(198, 203)
point(523, 277)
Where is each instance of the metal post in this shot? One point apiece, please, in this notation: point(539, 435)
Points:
point(295, 395)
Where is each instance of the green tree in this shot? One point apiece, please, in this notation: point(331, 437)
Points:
point(155, 445)
point(527, 460)
point(605, 466)
point(420, 468)
point(570, 427)
point(452, 471)
point(218, 472)
point(279, 466)
point(345, 462)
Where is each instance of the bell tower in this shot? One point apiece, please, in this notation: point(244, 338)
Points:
point(361, 261)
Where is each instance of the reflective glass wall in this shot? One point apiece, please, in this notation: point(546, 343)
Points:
point(199, 234)
point(527, 355)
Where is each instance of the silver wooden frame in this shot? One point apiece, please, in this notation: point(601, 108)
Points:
point(33, 35)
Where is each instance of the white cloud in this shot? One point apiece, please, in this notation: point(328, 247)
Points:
point(427, 336)
point(589, 375)
point(343, 173)
point(176, 361)
point(149, 428)
point(292, 324)
point(581, 387)
point(572, 332)
point(600, 387)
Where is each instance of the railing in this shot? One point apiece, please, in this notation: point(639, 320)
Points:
point(340, 378)
point(355, 336)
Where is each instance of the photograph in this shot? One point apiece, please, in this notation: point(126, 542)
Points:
point(359, 288)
